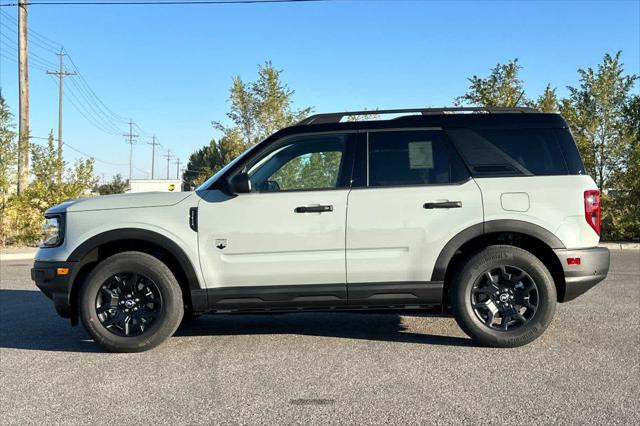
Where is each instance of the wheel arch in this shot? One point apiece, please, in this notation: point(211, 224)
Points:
point(99, 247)
point(533, 238)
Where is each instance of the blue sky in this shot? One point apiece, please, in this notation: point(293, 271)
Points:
point(169, 68)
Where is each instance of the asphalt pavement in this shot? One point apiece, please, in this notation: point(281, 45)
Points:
point(326, 368)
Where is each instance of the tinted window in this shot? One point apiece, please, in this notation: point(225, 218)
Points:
point(412, 158)
point(300, 164)
point(510, 152)
point(570, 151)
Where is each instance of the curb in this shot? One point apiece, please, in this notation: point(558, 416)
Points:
point(17, 256)
point(621, 246)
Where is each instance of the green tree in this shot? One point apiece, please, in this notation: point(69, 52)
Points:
point(45, 165)
point(80, 179)
point(8, 163)
point(25, 212)
point(622, 213)
point(117, 185)
point(8, 158)
point(502, 88)
point(260, 108)
point(595, 111)
point(314, 170)
point(210, 158)
point(548, 101)
point(257, 110)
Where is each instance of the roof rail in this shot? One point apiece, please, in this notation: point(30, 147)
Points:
point(336, 117)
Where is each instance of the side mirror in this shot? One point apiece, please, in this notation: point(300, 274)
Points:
point(240, 184)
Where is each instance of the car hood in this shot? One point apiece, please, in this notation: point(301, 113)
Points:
point(121, 201)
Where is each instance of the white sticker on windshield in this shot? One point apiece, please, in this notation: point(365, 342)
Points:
point(420, 155)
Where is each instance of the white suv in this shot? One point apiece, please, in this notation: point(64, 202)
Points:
point(486, 213)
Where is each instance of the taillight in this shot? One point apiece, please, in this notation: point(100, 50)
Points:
point(592, 209)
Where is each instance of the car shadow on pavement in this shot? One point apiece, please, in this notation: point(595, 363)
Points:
point(366, 326)
point(29, 321)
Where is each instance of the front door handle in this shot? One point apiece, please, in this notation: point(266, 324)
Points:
point(313, 209)
point(443, 205)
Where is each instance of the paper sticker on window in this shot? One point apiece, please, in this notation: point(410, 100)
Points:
point(420, 155)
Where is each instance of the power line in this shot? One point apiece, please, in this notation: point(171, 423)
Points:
point(32, 56)
point(157, 3)
point(93, 157)
point(84, 154)
point(80, 94)
point(54, 45)
point(99, 114)
point(33, 39)
point(86, 99)
point(73, 99)
point(144, 134)
point(115, 116)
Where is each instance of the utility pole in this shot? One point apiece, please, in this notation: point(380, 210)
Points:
point(23, 83)
point(61, 74)
point(177, 163)
point(153, 155)
point(168, 156)
point(130, 136)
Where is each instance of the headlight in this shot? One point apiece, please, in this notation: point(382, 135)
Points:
point(51, 232)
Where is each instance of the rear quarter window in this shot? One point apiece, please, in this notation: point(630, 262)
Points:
point(517, 152)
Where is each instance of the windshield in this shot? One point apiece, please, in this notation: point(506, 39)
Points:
point(223, 170)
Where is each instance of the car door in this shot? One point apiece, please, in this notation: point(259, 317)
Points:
point(282, 244)
point(414, 194)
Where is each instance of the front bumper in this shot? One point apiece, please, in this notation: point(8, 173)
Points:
point(593, 268)
point(56, 287)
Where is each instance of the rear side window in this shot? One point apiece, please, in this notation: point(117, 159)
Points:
point(412, 158)
point(513, 152)
point(570, 152)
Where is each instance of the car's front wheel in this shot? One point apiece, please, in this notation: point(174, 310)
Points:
point(503, 296)
point(131, 302)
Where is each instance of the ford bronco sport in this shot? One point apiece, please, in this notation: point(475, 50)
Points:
point(485, 213)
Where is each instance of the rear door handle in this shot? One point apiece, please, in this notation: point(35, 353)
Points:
point(443, 205)
point(313, 209)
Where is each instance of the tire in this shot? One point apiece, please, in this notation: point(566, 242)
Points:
point(500, 278)
point(155, 307)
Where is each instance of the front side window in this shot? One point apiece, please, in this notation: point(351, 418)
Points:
point(308, 163)
point(420, 157)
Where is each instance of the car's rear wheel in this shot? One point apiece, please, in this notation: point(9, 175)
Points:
point(131, 302)
point(503, 296)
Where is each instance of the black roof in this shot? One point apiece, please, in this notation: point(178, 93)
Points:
point(477, 118)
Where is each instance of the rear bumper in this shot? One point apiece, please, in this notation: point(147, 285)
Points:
point(593, 268)
point(55, 287)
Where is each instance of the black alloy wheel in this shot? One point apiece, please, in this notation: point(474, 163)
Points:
point(504, 298)
point(128, 304)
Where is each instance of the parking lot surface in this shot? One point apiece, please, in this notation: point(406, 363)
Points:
point(326, 368)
